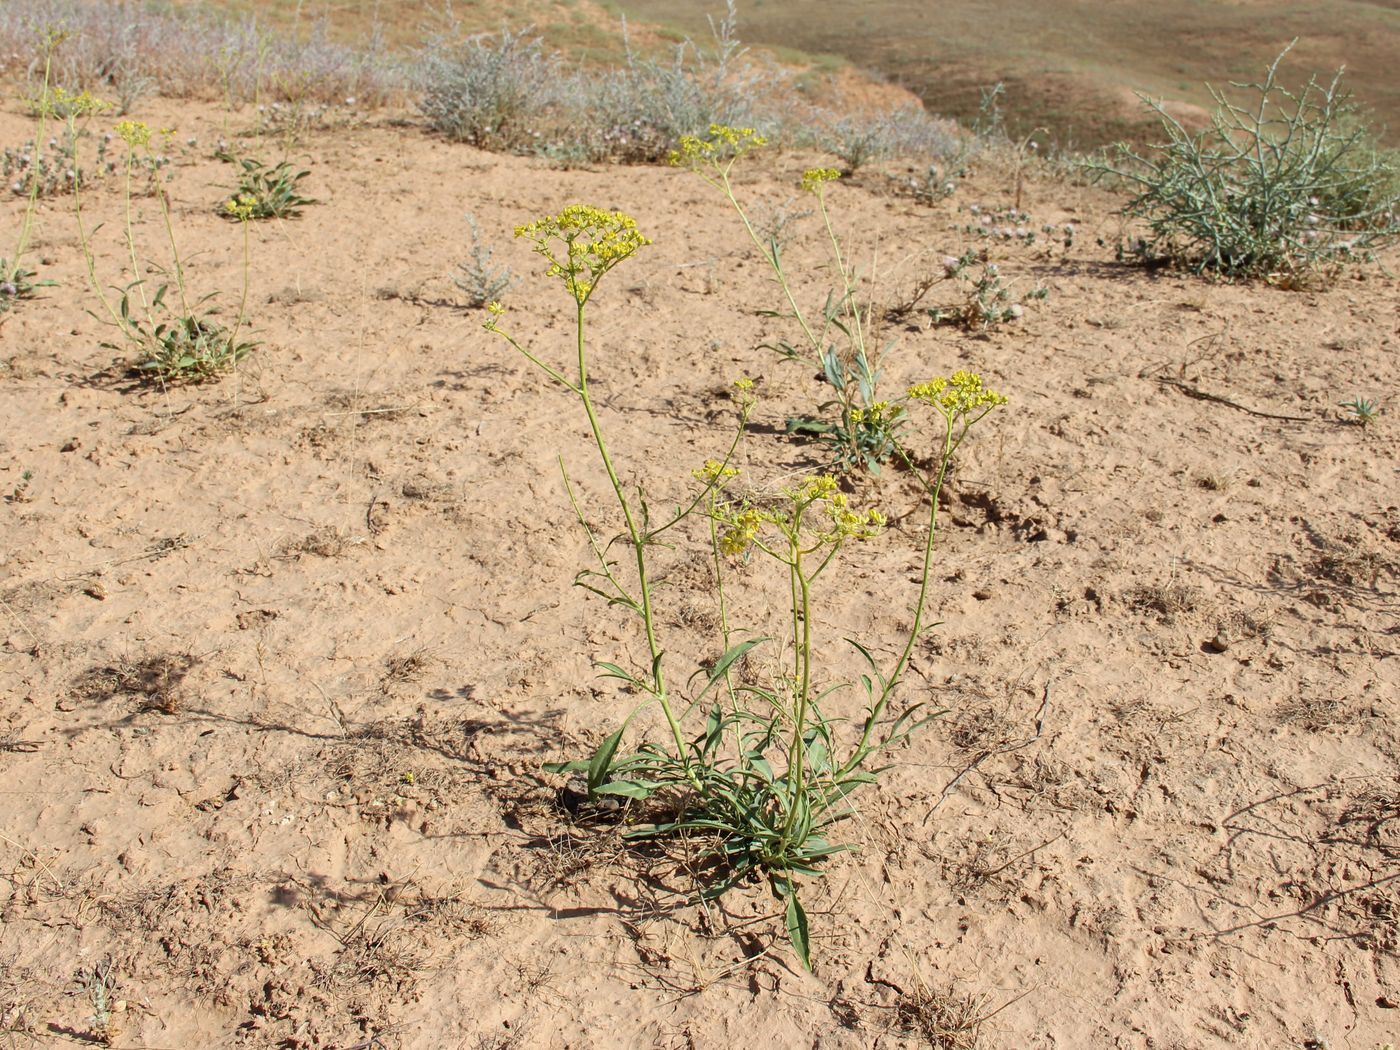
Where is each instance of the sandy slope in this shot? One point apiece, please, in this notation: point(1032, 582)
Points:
point(282, 656)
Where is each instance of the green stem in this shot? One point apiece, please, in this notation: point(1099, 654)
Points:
point(797, 750)
point(949, 447)
point(138, 278)
point(243, 301)
point(598, 550)
point(852, 311)
point(174, 250)
point(773, 263)
point(546, 369)
point(795, 601)
point(921, 602)
point(26, 229)
point(724, 632)
point(710, 486)
point(658, 684)
point(91, 261)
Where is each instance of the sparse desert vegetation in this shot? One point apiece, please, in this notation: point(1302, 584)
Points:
point(561, 536)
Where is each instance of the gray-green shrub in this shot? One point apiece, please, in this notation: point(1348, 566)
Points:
point(639, 111)
point(125, 50)
point(1283, 183)
point(488, 90)
point(479, 279)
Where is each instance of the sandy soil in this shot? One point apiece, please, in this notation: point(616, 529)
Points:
point(282, 656)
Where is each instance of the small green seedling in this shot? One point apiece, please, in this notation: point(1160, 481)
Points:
point(1362, 412)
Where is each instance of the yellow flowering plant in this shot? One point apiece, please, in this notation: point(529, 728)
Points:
point(175, 341)
point(777, 822)
point(16, 281)
point(757, 771)
point(265, 191)
point(841, 337)
point(581, 244)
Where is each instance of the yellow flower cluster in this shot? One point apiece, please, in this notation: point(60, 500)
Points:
point(714, 473)
point(961, 395)
point(851, 524)
point(134, 133)
point(742, 525)
point(723, 142)
point(818, 486)
point(495, 311)
point(813, 178)
point(240, 208)
point(743, 395)
point(62, 103)
point(594, 242)
point(741, 529)
point(878, 416)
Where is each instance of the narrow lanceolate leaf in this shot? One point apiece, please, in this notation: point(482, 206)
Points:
point(725, 662)
point(566, 767)
point(869, 659)
point(613, 671)
point(797, 928)
point(833, 370)
point(601, 764)
point(630, 788)
point(714, 729)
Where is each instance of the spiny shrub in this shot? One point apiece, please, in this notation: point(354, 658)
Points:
point(1281, 183)
point(856, 141)
point(505, 91)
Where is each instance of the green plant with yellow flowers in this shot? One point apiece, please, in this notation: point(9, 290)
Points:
point(756, 771)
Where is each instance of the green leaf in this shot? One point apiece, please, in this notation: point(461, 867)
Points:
point(613, 671)
point(566, 767)
point(714, 729)
point(601, 763)
point(817, 848)
point(796, 919)
point(725, 662)
point(629, 788)
point(868, 658)
point(805, 425)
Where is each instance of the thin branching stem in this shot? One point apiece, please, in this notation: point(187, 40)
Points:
point(657, 684)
